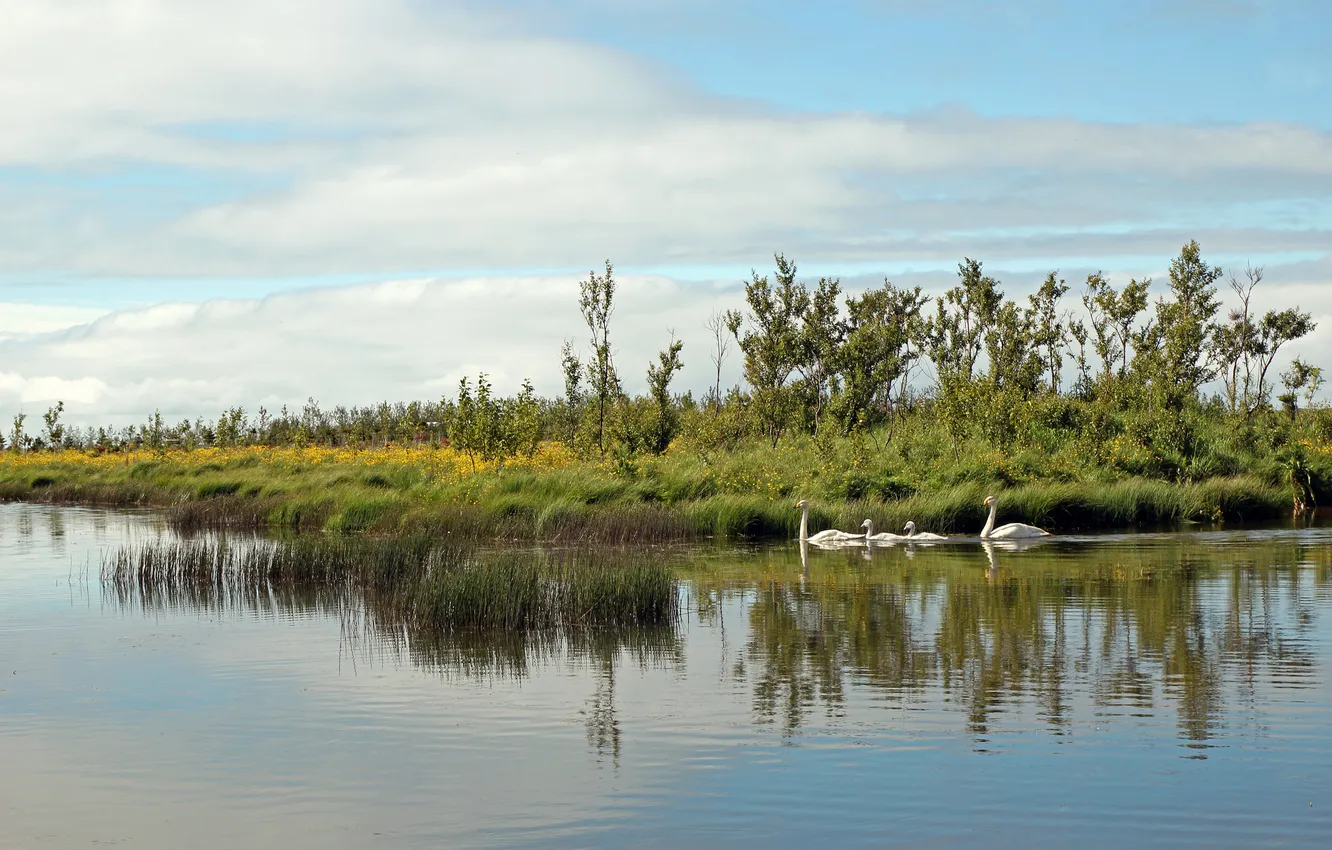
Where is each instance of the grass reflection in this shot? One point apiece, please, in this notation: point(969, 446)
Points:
point(1128, 626)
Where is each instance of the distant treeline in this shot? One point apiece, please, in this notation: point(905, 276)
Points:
point(817, 362)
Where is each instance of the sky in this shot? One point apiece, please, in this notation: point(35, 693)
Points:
point(204, 205)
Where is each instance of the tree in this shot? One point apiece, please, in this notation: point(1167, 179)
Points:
point(573, 392)
point(771, 343)
point(1113, 315)
point(962, 316)
point(876, 353)
point(818, 345)
point(231, 427)
point(55, 432)
point(955, 336)
point(1245, 349)
point(721, 345)
point(1012, 351)
point(1048, 332)
point(17, 441)
point(522, 422)
point(596, 300)
point(1300, 376)
point(1183, 327)
point(659, 377)
point(1175, 353)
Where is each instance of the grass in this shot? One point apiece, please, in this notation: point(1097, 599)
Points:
point(745, 492)
point(413, 581)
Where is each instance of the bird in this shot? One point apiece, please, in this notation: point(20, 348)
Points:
point(912, 534)
point(1011, 531)
point(830, 535)
point(881, 537)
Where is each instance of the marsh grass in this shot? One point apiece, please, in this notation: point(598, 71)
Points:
point(413, 581)
point(743, 493)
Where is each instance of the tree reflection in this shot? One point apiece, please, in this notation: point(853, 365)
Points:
point(1135, 625)
point(1192, 626)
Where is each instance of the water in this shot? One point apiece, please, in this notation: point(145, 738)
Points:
point(1145, 690)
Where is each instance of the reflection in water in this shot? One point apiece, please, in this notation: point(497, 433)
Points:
point(806, 697)
point(1136, 625)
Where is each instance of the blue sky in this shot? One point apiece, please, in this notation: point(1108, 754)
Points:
point(164, 152)
point(1177, 61)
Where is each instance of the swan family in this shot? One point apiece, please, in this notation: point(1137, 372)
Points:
point(831, 536)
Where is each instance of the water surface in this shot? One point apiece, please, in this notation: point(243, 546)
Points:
point(1153, 689)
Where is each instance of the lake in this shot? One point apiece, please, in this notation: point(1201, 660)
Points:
point(1110, 690)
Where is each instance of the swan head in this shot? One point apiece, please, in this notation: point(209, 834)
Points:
point(910, 528)
point(802, 504)
point(989, 500)
point(868, 524)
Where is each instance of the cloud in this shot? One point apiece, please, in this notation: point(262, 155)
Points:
point(383, 137)
point(414, 339)
point(345, 345)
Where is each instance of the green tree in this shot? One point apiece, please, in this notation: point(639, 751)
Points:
point(956, 333)
point(659, 377)
point(55, 432)
point(1175, 353)
point(955, 337)
point(771, 342)
point(17, 440)
point(1300, 377)
point(522, 422)
point(1048, 332)
point(875, 354)
point(1245, 348)
point(819, 345)
point(596, 300)
point(1113, 315)
point(573, 392)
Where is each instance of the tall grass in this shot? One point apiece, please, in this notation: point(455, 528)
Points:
point(412, 580)
point(745, 491)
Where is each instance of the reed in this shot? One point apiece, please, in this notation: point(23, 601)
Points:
point(412, 580)
point(744, 493)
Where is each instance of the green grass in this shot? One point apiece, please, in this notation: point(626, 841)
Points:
point(745, 491)
point(414, 581)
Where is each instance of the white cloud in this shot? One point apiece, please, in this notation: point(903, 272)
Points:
point(401, 340)
point(358, 344)
point(252, 139)
point(395, 136)
point(20, 320)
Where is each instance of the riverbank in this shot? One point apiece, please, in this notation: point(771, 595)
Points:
point(555, 496)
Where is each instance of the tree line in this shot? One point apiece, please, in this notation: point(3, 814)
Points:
point(820, 362)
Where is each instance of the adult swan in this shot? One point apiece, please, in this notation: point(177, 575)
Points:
point(1012, 531)
point(830, 535)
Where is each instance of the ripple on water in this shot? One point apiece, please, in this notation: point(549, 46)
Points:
point(1111, 690)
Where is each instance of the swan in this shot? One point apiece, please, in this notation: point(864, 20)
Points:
point(912, 534)
point(881, 537)
point(1011, 531)
point(830, 535)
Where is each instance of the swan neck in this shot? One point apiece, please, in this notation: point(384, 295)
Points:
point(804, 523)
point(989, 523)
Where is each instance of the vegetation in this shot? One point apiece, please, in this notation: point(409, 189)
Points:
point(1158, 624)
point(882, 404)
point(412, 582)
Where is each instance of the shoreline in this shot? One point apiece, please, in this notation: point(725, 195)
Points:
point(584, 502)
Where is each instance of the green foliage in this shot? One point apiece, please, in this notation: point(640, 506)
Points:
point(18, 441)
point(666, 413)
point(596, 298)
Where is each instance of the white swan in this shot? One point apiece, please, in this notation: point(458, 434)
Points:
point(829, 535)
point(1011, 531)
point(912, 534)
point(881, 537)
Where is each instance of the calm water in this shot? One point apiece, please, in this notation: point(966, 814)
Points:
point(1128, 690)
